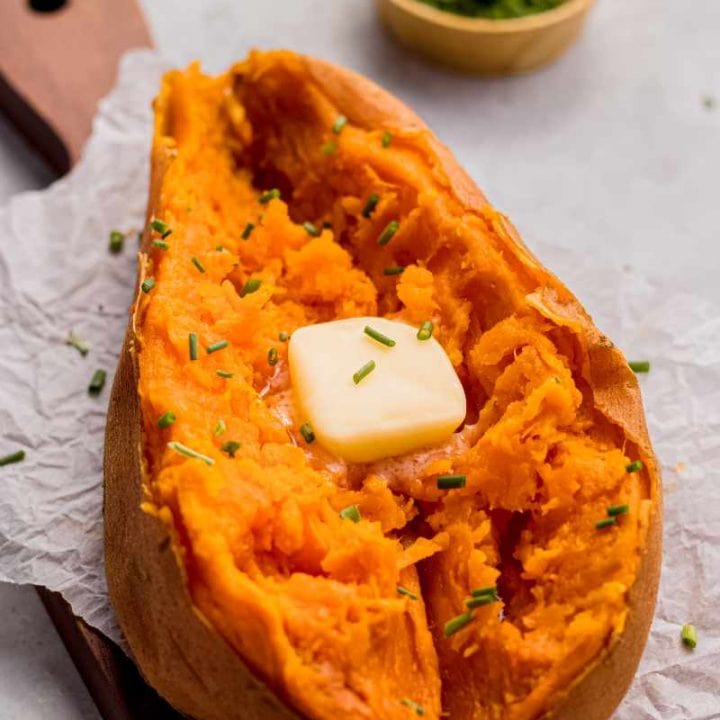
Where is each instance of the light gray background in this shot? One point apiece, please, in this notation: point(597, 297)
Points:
point(610, 151)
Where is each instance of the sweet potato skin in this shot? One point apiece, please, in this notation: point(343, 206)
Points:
point(177, 650)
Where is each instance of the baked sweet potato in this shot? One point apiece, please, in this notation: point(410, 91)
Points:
point(241, 590)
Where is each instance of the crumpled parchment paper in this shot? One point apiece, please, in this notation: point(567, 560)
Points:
point(56, 275)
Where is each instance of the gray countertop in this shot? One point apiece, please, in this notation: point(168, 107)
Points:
point(610, 151)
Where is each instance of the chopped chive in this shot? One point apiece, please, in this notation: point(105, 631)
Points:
point(148, 285)
point(425, 331)
point(160, 244)
point(161, 227)
point(224, 374)
point(307, 432)
point(456, 624)
point(15, 457)
point(193, 346)
point(311, 229)
point(220, 345)
point(220, 428)
point(639, 366)
point(272, 356)
point(605, 523)
point(387, 138)
point(394, 270)
point(615, 510)
point(376, 335)
point(97, 383)
point(339, 124)
point(197, 264)
point(250, 286)
point(189, 452)
point(364, 371)
point(450, 482)
point(117, 240)
point(230, 447)
point(387, 234)
point(219, 248)
point(487, 590)
point(688, 634)
point(78, 343)
point(283, 336)
point(268, 195)
point(247, 232)
point(419, 709)
point(370, 205)
point(479, 600)
point(634, 466)
point(351, 512)
point(166, 419)
point(329, 148)
point(408, 593)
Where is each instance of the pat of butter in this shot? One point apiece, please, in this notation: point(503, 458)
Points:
point(411, 399)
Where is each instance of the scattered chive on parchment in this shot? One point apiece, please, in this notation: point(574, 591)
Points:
point(10, 458)
point(688, 635)
point(251, 285)
point(450, 482)
point(364, 371)
point(166, 419)
point(370, 205)
point(640, 366)
point(351, 512)
point(307, 432)
point(378, 336)
point(407, 593)
point(97, 382)
point(230, 447)
point(116, 242)
point(189, 452)
point(407, 702)
point(425, 331)
point(387, 234)
point(82, 346)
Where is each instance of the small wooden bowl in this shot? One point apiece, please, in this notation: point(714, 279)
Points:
point(483, 46)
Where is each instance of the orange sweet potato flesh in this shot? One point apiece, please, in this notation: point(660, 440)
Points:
point(241, 590)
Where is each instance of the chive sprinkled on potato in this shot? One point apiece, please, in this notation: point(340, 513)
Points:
point(311, 229)
point(97, 382)
point(197, 264)
point(425, 331)
point(220, 345)
point(160, 244)
point(247, 232)
point(161, 227)
point(475, 602)
point(487, 590)
point(14, 457)
point(147, 285)
point(224, 374)
point(688, 635)
point(189, 452)
point(370, 205)
point(419, 709)
point(616, 510)
point(250, 286)
point(640, 366)
point(78, 343)
point(456, 624)
point(283, 336)
point(634, 466)
point(387, 234)
point(450, 482)
point(272, 356)
point(220, 427)
point(193, 346)
point(378, 336)
point(307, 432)
point(351, 512)
point(116, 242)
point(394, 270)
point(386, 139)
point(340, 122)
point(166, 419)
point(329, 148)
point(268, 195)
point(605, 523)
point(407, 593)
point(230, 447)
point(364, 371)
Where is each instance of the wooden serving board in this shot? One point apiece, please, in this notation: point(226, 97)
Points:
point(56, 63)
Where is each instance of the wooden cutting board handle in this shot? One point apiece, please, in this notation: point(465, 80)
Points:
point(57, 61)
